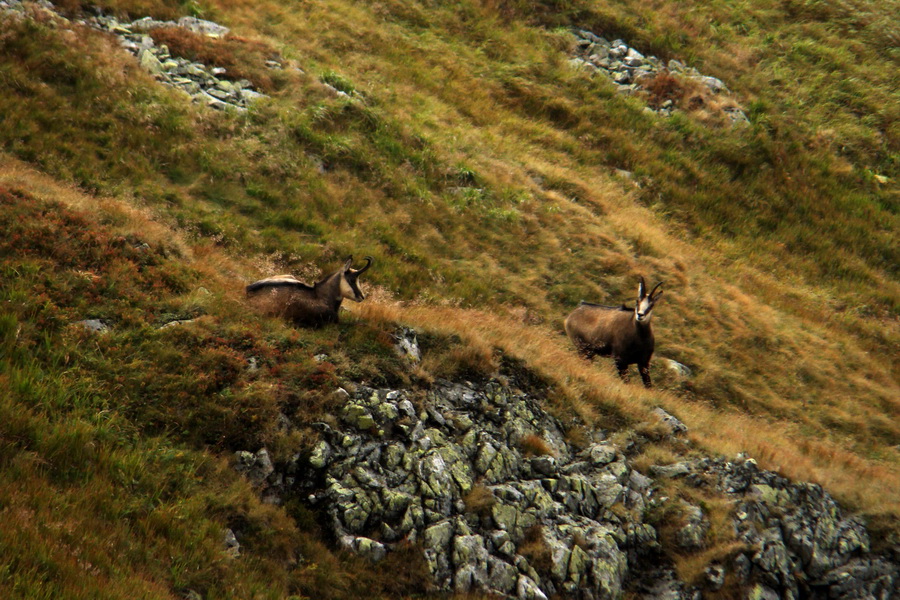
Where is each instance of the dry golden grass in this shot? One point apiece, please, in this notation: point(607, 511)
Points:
point(534, 445)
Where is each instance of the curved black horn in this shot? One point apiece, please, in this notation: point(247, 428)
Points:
point(653, 291)
point(368, 260)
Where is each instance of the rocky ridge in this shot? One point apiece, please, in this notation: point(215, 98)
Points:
point(630, 70)
point(485, 482)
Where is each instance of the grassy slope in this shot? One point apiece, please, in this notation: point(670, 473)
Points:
point(476, 168)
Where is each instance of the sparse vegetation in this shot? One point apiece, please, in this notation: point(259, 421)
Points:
point(535, 548)
point(534, 445)
point(479, 500)
point(478, 170)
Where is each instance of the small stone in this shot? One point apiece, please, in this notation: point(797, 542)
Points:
point(320, 455)
point(670, 471)
point(639, 482)
point(232, 547)
point(93, 325)
point(527, 589)
point(374, 551)
point(602, 454)
point(203, 27)
point(255, 467)
point(715, 85)
point(675, 426)
point(622, 77)
point(149, 62)
point(692, 535)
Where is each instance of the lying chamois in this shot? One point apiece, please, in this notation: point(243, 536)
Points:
point(619, 332)
point(315, 305)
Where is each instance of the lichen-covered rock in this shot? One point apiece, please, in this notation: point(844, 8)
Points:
point(412, 484)
point(800, 543)
point(448, 474)
point(255, 467)
point(692, 534)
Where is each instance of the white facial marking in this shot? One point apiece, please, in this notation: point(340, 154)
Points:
point(643, 309)
point(346, 290)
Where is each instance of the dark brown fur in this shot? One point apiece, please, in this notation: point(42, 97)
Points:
point(598, 330)
point(307, 305)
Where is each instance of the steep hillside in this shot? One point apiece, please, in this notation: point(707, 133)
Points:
point(495, 186)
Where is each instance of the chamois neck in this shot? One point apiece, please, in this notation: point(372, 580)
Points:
point(330, 285)
point(643, 327)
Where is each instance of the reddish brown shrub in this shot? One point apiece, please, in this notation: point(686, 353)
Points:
point(661, 87)
point(535, 445)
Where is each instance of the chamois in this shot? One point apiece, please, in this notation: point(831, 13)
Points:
point(620, 332)
point(314, 305)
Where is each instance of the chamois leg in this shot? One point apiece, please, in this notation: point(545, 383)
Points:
point(645, 374)
point(622, 367)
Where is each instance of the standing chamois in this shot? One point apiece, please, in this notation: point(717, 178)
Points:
point(615, 331)
point(313, 306)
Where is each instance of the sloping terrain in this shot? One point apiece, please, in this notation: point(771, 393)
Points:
point(495, 186)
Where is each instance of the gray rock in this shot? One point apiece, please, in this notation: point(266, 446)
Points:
point(203, 27)
point(502, 576)
point(715, 85)
point(176, 323)
point(527, 589)
point(93, 325)
point(670, 471)
point(438, 536)
point(408, 345)
point(676, 367)
point(374, 551)
point(232, 547)
point(255, 467)
point(675, 426)
point(692, 534)
point(602, 454)
point(149, 62)
point(639, 482)
point(148, 23)
point(622, 77)
point(320, 455)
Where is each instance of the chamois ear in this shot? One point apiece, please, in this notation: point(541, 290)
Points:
point(654, 295)
point(348, 264)
point(642, 288)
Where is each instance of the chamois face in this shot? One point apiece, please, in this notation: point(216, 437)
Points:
point(349, 281)
point(643, 308)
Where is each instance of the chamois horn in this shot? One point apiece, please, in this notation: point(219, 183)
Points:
point(368, 260)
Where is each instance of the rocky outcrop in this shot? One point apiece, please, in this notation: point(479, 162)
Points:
point(483, 480)
point(458, 474)
point(630, 70)
point(800, 543)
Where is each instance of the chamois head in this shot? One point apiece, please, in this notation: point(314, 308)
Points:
point(349, 276)
point(644, 307)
